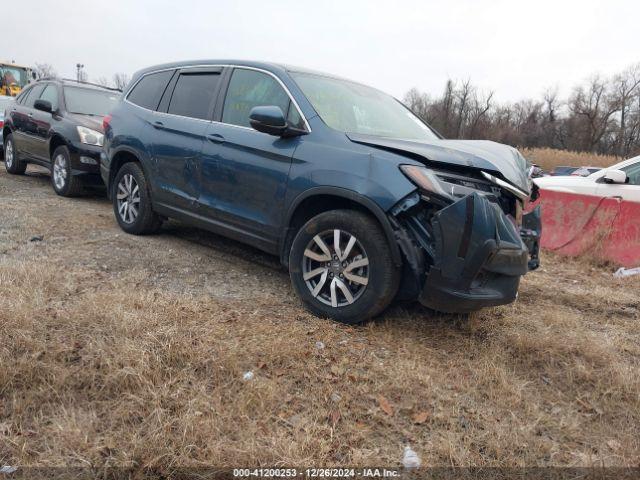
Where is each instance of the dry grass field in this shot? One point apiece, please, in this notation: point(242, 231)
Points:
point(547, 158)
point(118, 350)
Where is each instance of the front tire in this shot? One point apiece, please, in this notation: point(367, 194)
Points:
point(64, 183)
point(132, 201)
point(12, 162)
point(341, 267)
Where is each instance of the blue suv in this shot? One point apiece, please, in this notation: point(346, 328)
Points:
point(360, 199)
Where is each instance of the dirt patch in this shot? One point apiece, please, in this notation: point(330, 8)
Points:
point(131, 351)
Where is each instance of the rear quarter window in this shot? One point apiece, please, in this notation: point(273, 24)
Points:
point(148, 91)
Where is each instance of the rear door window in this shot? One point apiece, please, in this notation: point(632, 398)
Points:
point(148, 91)
point(194, 94)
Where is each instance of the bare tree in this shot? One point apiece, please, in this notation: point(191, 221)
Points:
point(102, 81)
point(446, 108)
point(625, 89)
point(601, 115)
point(552, 104)
point(418, 103)
point(478, 111)
point(462, 97)
point(120, 80)
point(45, 70)
point(594, 104)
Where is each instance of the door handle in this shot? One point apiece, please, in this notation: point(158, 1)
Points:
point(30, 115)
point(215, 138)
point(158, 124)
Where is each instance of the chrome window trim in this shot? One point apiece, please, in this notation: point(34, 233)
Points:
point(293, 100)
point(174, 115)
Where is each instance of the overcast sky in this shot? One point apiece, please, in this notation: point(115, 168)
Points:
point(516, 48)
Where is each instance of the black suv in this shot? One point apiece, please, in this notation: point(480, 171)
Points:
point(58, 124)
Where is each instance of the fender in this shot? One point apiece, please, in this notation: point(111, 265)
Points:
point(353, 196)
point(142, 159)
point(7, 127)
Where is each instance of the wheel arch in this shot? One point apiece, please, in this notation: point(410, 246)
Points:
point(55, 141)
point(119, 158)
point(321, 199)
point(6, 131)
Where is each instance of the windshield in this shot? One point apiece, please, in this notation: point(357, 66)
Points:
point(13, 75)
point(87, 101)
point(354, 108)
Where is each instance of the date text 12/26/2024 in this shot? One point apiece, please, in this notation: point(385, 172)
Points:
point(316, 473)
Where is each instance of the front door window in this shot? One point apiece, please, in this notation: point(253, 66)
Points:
point(248, 89)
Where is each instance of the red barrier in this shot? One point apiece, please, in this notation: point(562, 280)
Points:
point(608, 228)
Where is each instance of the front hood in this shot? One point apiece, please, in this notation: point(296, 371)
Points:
point(93, 122)
point(484, 155)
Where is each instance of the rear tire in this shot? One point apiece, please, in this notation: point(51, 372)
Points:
point(12, 162)
point(132, 201)
point(64, 183)
point(349, 280)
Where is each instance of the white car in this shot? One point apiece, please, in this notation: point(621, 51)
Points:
point(620, 180)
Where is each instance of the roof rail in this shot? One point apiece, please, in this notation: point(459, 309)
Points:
point(82, 83)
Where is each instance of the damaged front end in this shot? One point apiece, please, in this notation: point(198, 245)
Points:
point(465, 239)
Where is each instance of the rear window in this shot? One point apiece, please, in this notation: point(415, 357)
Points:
point(149, 90)
point(193, 94)
point(87, 101)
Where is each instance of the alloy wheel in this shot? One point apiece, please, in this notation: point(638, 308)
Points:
point(8, 155)
point(60, 171)
point(335, 268)
point(128, 198)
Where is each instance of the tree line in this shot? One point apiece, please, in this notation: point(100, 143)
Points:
point(600, 115)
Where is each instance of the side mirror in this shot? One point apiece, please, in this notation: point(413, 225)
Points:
point(268, 119)
point(615, 176)
point(43, 105)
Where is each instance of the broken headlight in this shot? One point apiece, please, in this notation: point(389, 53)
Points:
point(446, 184)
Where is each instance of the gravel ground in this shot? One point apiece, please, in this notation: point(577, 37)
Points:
point(124, 350)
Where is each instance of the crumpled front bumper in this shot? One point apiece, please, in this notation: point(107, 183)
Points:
point(479, 257)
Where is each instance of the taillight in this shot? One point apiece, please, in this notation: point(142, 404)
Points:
point(1, 123)
point(105, 122)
